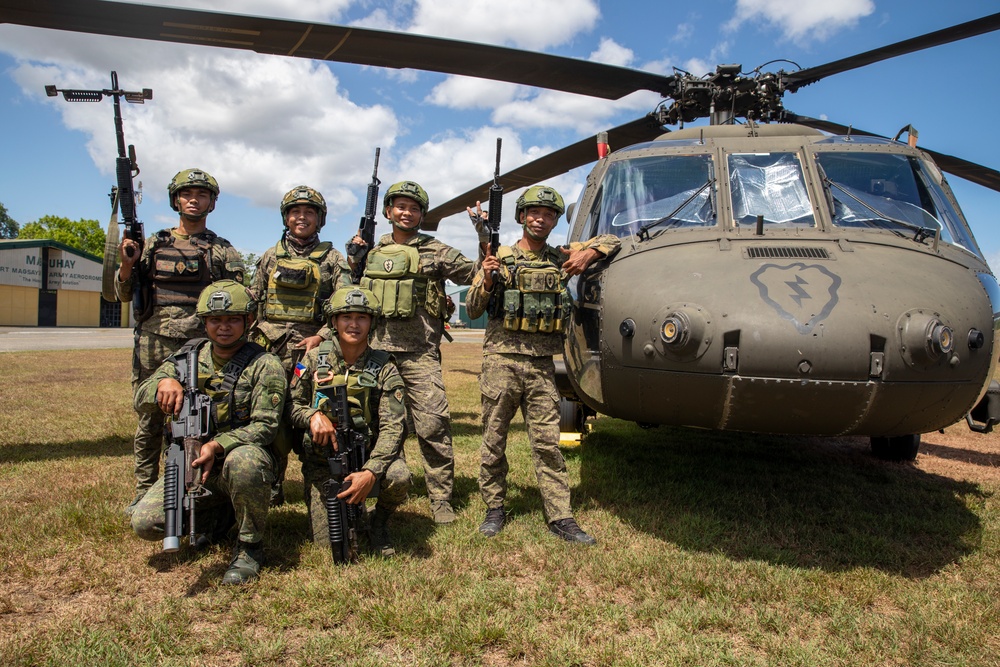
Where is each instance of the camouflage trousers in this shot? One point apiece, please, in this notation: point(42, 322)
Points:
point(391, 489)
point(509, 382)
point(240, 483)
point(150, 352)
point(428, 406)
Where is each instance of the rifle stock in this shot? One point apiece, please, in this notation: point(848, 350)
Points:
point(189, 430)
point(366, 230)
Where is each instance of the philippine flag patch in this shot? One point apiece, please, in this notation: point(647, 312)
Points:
point(299, 370)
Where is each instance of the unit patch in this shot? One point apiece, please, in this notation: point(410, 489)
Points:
point(803, 294)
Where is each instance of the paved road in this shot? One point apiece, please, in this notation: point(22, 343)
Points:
point(19, 339)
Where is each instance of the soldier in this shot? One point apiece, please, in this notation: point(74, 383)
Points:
point(526, 304)
point(377, 398)
point(292, 281)
point(176, 264)
point(247, 387)
point(406, 271)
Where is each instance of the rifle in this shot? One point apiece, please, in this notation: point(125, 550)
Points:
point(123, 195)
point(495, 208)
point(188, 431)
point(357, 251)
point(350, 456)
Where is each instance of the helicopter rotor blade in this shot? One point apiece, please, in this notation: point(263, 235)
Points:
point(795, 80)
point(320, 41)
point(970, 171)
point(572, 156)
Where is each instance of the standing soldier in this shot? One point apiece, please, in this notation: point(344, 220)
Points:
point(522, 289)
point(247, 388)
point(292, 281)
point(406, 271)
point(377, 402)
point(176, 264)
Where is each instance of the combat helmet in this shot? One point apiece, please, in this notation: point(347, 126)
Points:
point(192, 178)
point(405, 189)
point(539, 195)
point(303, 194)
point(351, 299)
point(225, 297)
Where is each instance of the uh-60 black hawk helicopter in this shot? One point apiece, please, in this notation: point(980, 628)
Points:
point(773, 278)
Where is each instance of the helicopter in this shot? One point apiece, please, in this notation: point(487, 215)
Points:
point(778, 273)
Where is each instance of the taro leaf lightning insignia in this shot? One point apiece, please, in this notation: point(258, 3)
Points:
point(804, 294)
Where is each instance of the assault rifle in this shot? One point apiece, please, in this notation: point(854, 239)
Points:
point(123, 195)
point(496, 206)
point(356, 251)
point(188, 431)
point(351, 454)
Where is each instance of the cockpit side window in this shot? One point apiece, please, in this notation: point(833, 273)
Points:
point(890, 192)
point(771, 185)
point(667, 191)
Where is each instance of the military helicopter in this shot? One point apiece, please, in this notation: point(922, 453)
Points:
point(798, 276)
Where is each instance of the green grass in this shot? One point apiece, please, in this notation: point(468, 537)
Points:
point(714, 549)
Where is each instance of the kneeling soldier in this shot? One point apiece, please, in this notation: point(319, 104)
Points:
point(247, 389)
point(377, 404)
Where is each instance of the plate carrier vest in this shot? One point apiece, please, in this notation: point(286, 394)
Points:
point(533, 299)
point(180, 268)
point(294, 291)
point(393, 275)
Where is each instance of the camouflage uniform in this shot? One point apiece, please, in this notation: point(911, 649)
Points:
point(415, 344)
point(386, 460)
point(242, 479)
point(167, 328)
point(518, 372)
point(281, 337)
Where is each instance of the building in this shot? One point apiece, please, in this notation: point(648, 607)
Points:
point(461, 314)
point(45, 283)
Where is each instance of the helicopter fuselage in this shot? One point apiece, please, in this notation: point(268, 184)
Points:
point(858, 303)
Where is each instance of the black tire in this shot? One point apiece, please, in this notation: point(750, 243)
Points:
point(896, 448)
point(571, 416)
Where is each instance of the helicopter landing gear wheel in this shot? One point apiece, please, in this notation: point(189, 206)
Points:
point(896, 448)
point(571, 416)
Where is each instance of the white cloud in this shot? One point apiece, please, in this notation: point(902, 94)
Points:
point(462, 92)
point(527, 24)
point(611, 52)
point(801, 20)
point(259, 124)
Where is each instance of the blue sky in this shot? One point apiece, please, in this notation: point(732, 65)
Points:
point(262, 124)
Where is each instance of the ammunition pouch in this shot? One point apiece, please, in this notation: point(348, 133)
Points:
point(393, 275)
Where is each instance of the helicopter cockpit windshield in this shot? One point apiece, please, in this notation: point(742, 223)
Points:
point(670, 191)
point(890, 191)
point(771, 185)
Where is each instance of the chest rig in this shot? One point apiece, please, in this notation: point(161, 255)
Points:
point(533, 298)
point(294, 288)
point(363, 395)
point(219, 386)
point(180, 268)
point(393, 275)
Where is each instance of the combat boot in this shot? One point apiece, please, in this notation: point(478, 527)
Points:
point(495, 520)
point(381, 543)
point(277, 494)
point(442, 511)
point(569, 531)
point(245, 566)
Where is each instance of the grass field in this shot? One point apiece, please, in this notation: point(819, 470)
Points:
point(714, 549)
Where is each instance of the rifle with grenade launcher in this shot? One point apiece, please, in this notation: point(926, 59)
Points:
point(356, 251)
point(124, 195)
point(350, 456)
point(189, 431)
